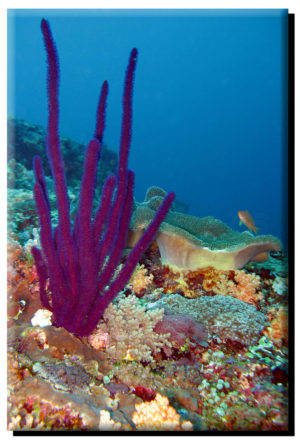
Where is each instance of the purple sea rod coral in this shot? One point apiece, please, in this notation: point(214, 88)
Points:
point(80, 260)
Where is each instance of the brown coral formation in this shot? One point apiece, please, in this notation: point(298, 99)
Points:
point(22, 285)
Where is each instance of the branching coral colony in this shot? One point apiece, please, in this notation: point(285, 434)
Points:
point(80, 261)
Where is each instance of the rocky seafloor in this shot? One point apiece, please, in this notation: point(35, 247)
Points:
point(193, 351)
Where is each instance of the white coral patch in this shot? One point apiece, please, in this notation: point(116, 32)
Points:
point(41, 318)
point(279, 286)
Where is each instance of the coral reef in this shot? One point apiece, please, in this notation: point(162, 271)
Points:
point(189, 243)
point(168, 349)
point(245, 287)
point(279, 328)
point(208, 281)
point(140, 280)
point(106, 423)
point(22, 216)
point(212, 357)
point(24, 141)
point(246, 323)
point(239, 284)
point(74, 385)
point(181, 328)
point(158, 415)
point(128, 330)
point(280, 286)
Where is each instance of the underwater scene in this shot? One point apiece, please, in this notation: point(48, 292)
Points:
point(147, 271)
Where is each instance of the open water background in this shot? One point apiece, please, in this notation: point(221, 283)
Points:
point(210, 99)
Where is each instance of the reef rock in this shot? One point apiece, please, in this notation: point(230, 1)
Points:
point(25, 140)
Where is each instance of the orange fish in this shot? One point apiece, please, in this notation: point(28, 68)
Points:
point(246, 218)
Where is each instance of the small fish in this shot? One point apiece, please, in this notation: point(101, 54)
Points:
point(246, 218)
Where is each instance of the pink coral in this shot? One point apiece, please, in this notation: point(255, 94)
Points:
point(181, 327)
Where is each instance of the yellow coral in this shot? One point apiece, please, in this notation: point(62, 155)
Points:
point(156, 415)
point(139, 280)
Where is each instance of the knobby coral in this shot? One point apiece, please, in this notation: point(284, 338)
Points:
point(80, 261)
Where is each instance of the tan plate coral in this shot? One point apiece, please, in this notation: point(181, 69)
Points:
point(188, 243)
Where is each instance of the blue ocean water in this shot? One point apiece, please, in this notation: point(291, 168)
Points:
point(210, 99)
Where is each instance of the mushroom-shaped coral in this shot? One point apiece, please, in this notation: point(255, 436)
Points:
point(188, 243)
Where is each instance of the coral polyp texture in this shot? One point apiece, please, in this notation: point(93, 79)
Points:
point(188, 243)
point(80, 261)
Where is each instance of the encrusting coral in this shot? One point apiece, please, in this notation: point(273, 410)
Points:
point(189, 243)
point(214, 312)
